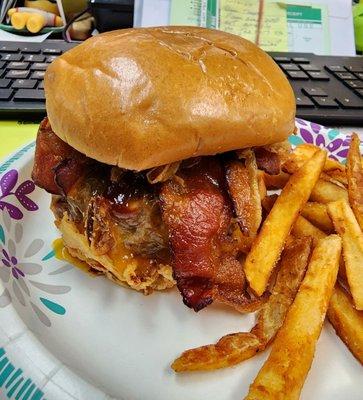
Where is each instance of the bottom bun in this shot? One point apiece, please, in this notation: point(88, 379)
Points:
point(125, 270)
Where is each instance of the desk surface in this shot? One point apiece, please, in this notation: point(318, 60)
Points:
point(15, 134)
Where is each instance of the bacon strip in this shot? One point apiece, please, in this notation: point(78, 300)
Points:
point(268, 161)
point(198, 213)
point(243, 188)
point(57, 166)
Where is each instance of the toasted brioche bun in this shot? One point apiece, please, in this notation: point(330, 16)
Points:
point(157, 277)
point(140, 98)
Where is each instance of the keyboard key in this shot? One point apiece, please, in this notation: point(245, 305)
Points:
point(29, 95)
point(2, 71)
point(304, 102)
point(2, 64)
point(359, 92)
point(41, 85)
point(39, 75)
point(5, 83)
point(39, 66)
point(354, 84)
point(52, 51)
point(18, 65)
point(325, 102)
point(15, 74)
point(11, 57)
point(282, 59)
point(359, 75)
point(30, 50)
point(335, 68)
point(301, 60)
point(289, 67)
point(350, 102)
point(51, 59)
point(5, 94)
point(297, 75)
point(318, 76)
point(9, 48)
point(315, 91)
point(345, 75)
point(310, 67)
point(24, 84)
point(354, 68)
point(34, 58)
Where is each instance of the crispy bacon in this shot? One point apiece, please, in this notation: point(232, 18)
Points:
point(57, 166)
point(244, 191)
point(267, 160)
point(198, 214)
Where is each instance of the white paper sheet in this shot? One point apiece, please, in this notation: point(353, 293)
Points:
point(155, 12)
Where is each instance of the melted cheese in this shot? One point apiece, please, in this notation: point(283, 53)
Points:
point(61, 253)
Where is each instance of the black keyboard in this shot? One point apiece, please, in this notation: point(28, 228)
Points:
point(22, 69)
point(328, 89)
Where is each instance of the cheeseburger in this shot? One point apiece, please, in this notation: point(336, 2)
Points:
point(148, 150)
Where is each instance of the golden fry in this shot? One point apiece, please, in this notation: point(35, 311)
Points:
point(337, 176)
point(325, 192)
point(276, 181)
point(347, 321)
point(302, 153)
point(236, 347)
point(267, 247)
point(302, 227)
point(347, 226)
point(355, 179)
point(293, 264)
point(230, 350)
point(261, 186)
point(317, 214)
point(284, 373)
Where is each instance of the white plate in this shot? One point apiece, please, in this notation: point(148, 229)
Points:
point(117, 342)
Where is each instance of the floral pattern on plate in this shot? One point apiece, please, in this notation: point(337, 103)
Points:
point(21, 258)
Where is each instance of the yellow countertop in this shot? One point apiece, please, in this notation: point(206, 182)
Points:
point(14, 134)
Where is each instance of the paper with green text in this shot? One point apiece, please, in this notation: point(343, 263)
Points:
point(308, 29)
point(241, 18)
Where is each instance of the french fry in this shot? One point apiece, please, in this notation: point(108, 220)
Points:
point(317, 214)
point(284, 373)
point(230, 350)
point(355, 179)
point(267, 247)
point(325, 192)
point(276, 181)
point(236, 347)
point(348, 228)
point(261, 186)
point(302, 227)
point(293, 264)
point(337, 176)
point(302, 153)
point(347, 321)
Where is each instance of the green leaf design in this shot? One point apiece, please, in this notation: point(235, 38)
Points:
point(2, 235)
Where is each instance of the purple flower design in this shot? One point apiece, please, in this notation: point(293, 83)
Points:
point(336, 144)
point(12, 262)
point(7, 184)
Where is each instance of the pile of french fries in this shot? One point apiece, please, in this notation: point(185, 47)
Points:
point(308, 253)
